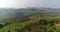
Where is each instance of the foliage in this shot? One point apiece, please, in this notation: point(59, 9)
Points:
point(27, 24)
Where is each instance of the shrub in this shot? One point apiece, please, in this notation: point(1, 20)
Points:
point(1, 25)
point(43, 22)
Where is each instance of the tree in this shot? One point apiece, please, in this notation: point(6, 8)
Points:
point(52, 22)
point(1, 25)
point(43, 22)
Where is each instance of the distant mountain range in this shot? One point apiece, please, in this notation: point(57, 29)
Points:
point(10, 13)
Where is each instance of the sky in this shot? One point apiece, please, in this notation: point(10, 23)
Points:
point(29, 3)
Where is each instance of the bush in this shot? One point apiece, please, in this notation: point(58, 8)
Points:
point(8, 30)
point(1, 25)
point(43, 22)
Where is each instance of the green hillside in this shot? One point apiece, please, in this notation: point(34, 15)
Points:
point(30, 20)
point(35, 24)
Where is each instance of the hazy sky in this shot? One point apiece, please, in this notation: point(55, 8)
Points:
point(29, 3)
